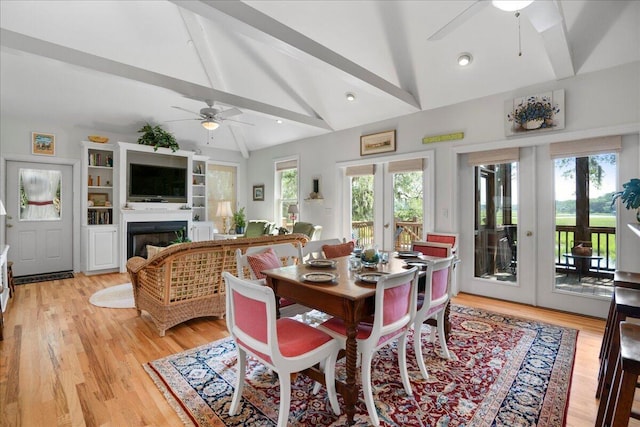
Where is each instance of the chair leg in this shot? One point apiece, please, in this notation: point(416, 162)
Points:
point(285, 398)
point(443, 342)
point(417, 348)
point(330, 380)
point(237, 394)
point(402, 364)
point(367, 390)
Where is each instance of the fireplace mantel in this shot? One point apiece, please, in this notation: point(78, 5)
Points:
point(147, 215)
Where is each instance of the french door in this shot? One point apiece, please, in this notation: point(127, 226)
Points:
point(388, 203)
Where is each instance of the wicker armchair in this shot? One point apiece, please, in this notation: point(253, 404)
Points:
point(185, 281)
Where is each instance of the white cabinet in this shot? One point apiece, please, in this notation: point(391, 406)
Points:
point(102, 247)
point(99, 195)
point(199, 188)
point(201, 231)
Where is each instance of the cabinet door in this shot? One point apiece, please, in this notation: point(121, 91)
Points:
point(202, 232)
point(103, 248)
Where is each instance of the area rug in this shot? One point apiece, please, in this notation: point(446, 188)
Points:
point(119, 296)
point(504, 371)
point(23, 280)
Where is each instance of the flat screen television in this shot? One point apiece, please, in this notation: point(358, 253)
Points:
point(152, 183)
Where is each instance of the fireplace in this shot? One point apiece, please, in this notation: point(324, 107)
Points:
point(156, 233)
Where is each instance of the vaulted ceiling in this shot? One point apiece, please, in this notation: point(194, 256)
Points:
point(111, 66)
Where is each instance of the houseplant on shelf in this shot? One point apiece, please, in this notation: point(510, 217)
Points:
point(534, 113)
point(630, 195)
point(157, 137)
point(240, 221)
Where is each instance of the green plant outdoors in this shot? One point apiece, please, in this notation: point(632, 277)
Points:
point(239, 218)
point(157, 137)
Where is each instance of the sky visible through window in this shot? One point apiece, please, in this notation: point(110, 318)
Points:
point(565, 188)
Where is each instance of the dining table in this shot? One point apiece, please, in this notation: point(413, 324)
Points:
point(345, 296)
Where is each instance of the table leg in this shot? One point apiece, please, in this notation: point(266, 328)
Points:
point(351, 394)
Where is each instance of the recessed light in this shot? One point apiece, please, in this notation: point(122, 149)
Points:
point(511, 5)
point(351, 97)
point(279, 121)
point(464, 59)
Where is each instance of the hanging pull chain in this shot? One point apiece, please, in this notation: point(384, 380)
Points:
point(519, 41)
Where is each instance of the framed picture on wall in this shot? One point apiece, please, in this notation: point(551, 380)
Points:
point(258, 192)
point(43, 144)
point(382, 142)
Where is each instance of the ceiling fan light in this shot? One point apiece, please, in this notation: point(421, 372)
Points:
point(210, 124)
point(350, 97)
point(511, 5)
point(464, 59)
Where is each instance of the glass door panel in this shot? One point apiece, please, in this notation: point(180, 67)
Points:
point(496, 208)
point(362, 209)
point(408, 208)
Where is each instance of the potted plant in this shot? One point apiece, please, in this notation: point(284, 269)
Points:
point(630, 196)
point(157, 137)
point(536, 112)
point(240, 221)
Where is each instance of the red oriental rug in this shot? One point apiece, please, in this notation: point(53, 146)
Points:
point(504, 371)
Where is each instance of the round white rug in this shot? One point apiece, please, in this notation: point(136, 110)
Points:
point(119, 296)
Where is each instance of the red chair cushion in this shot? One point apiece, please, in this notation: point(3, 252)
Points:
point(335, 251)
point(263, 261)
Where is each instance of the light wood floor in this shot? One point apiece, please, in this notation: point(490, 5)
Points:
point(65, 362)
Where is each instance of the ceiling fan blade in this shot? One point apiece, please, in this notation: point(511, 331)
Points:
point(228, 113)
point(184, 109)
point(458, 20)
point(543, 15)
point(182, 120)
point(238, 121)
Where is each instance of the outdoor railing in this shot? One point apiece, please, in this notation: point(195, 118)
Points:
point(603, 242)
point(406, 232)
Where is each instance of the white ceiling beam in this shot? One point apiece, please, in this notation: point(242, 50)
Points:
point(238, 137)
point(547, 18)
point(202, 48)
point(24, 43)
point(284, 38)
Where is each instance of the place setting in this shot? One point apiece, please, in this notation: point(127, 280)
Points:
point(321, 263)
point(319, 277)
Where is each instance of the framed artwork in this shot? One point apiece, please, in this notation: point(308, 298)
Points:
point(43, 144)
point(258, 192)
point(98, 199)
point(382, 142)
point(534, 113)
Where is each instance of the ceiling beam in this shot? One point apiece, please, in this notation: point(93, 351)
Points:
point(280, 34)
point(547, 18)
point(238, 137)
point(24, 43)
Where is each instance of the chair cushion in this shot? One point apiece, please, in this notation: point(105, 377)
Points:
point(297, 338)
point(263, 261)
point(335, 251)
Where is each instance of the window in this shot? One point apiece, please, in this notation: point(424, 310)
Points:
point(286, 193)
point(221, 186)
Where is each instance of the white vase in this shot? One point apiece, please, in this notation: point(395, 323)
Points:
point(533, 124)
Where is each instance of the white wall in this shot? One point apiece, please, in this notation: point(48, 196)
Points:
point(595, 104)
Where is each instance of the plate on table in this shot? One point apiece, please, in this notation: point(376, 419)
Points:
point(319, 277)
point(369, 277)
point(409, 254)
point(321, 263)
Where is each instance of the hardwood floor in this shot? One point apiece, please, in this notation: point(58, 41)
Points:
point(65, 362)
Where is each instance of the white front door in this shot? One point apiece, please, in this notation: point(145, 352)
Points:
point(39, 217)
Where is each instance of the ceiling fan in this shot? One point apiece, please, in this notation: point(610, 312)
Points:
point(211, 118)
point(542, 14)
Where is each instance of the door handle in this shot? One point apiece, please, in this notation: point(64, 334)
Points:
point(529, 233)
point(9, 225)
point(386, 225)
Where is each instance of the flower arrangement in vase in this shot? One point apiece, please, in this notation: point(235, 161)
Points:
point(534, 113)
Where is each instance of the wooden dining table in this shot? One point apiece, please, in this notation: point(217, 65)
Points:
point(346, 298)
